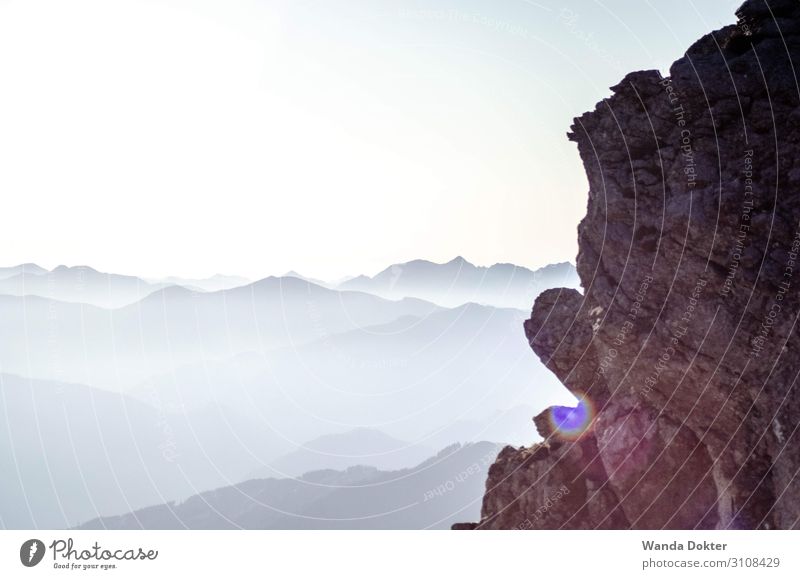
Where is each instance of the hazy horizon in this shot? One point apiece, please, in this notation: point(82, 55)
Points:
point(257, 277)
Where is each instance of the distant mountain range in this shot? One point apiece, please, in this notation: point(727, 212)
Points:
point(69, 452)
point(119, 392)
point(83, 284)
point(209, 284)
point(433, 495)
point(26, 268)
point(408, 378)
point(448, 284)
point(458, 281)
point(113, 349)
point(78, 284)
point(344, 450)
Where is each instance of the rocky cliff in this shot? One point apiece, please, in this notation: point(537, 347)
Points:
point(683, 347)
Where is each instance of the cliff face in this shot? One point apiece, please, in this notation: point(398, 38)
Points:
point(684, 346)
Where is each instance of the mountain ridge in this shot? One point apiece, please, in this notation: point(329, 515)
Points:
point(458, 281)
point(432, 494)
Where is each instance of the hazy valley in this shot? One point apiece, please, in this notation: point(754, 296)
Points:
point(120, 394)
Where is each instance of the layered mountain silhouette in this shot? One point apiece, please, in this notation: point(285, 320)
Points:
point(83, 284)
point(458, 281)
point(431, 495)
point(69, 452)
point(344, 450)
point(447, 284)
point(120, 393)
point(80, 284)
point(113, 349)
point(410, 378)
point(208, 284)
point(23, 268)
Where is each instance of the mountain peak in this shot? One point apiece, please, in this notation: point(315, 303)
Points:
point(66, 268)
point(23, 268)
point(460, 261)
point(458, 282)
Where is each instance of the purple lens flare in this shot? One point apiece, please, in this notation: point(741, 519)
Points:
point(572, 422)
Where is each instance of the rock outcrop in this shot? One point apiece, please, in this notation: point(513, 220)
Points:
point(683, 347)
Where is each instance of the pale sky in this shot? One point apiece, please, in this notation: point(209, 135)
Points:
point(332, 137)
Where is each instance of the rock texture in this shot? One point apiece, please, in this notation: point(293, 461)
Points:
point(684, 344)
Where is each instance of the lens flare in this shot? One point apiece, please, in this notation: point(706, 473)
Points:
point(571, 423)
